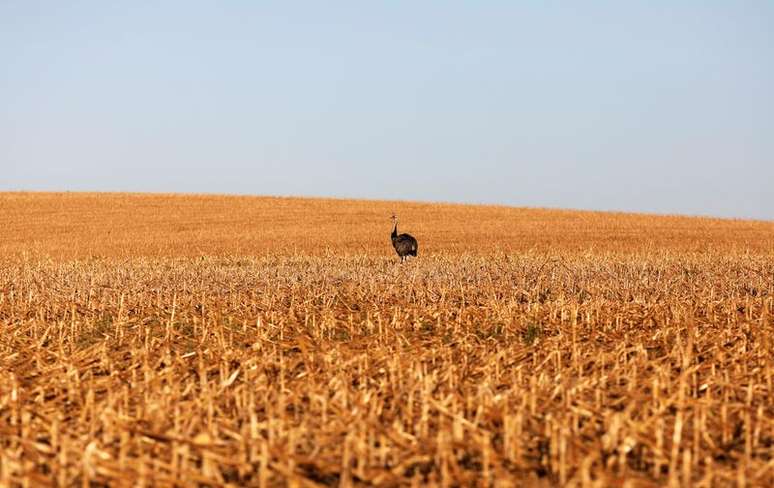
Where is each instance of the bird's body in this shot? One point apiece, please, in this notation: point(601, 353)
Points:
point(405, 244)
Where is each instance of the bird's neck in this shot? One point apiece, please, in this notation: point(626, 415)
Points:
point(395, 230)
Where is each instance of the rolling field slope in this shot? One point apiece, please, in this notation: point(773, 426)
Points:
point(176, 340)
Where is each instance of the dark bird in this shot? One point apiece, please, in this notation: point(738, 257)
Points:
point(405, 244)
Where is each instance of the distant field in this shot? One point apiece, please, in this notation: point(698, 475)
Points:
point(77, 225)
point(175, 340)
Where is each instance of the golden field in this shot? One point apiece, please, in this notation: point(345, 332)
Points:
point(169, 340)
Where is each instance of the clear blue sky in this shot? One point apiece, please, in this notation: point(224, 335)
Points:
point(649, 106)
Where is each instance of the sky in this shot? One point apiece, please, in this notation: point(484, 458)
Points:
point(656, 106)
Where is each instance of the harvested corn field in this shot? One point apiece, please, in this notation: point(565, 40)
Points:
point(165, 340)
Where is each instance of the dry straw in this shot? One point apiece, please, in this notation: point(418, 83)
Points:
point(607, 350)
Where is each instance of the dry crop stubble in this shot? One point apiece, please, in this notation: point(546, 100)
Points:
point(174, 340)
